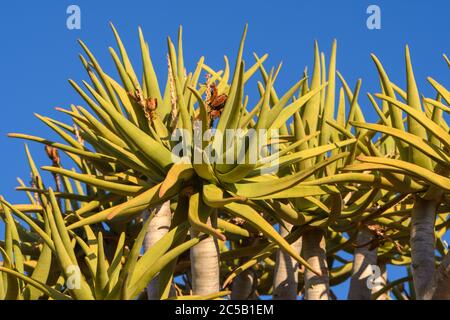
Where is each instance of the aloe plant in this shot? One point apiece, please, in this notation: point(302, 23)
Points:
point(327, 181)
point(92, 263)
point(146, 171)
point(420, 159)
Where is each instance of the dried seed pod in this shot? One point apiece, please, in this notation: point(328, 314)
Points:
point(214, 101)
point(53, 155)
point(149, 105)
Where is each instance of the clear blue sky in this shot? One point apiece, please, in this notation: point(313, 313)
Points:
point(39, 54)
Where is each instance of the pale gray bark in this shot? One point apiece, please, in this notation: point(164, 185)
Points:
point(285, 278)
point(381, 283)
point(363, 260)
point(314, 252)
point(243, 287)
point(157, 228)
point(205, 264)
point(422, 244)
point(439, 289)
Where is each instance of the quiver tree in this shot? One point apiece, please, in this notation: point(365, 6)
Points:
point(323, 175)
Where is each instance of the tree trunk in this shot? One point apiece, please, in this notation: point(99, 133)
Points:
point(243, 287)
point(314, 252)
point(381, 283)
point(422, 244)
point(363, 260)
point(285, 278)
point(205, 263)
point(439, 289)
point(157, 228)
